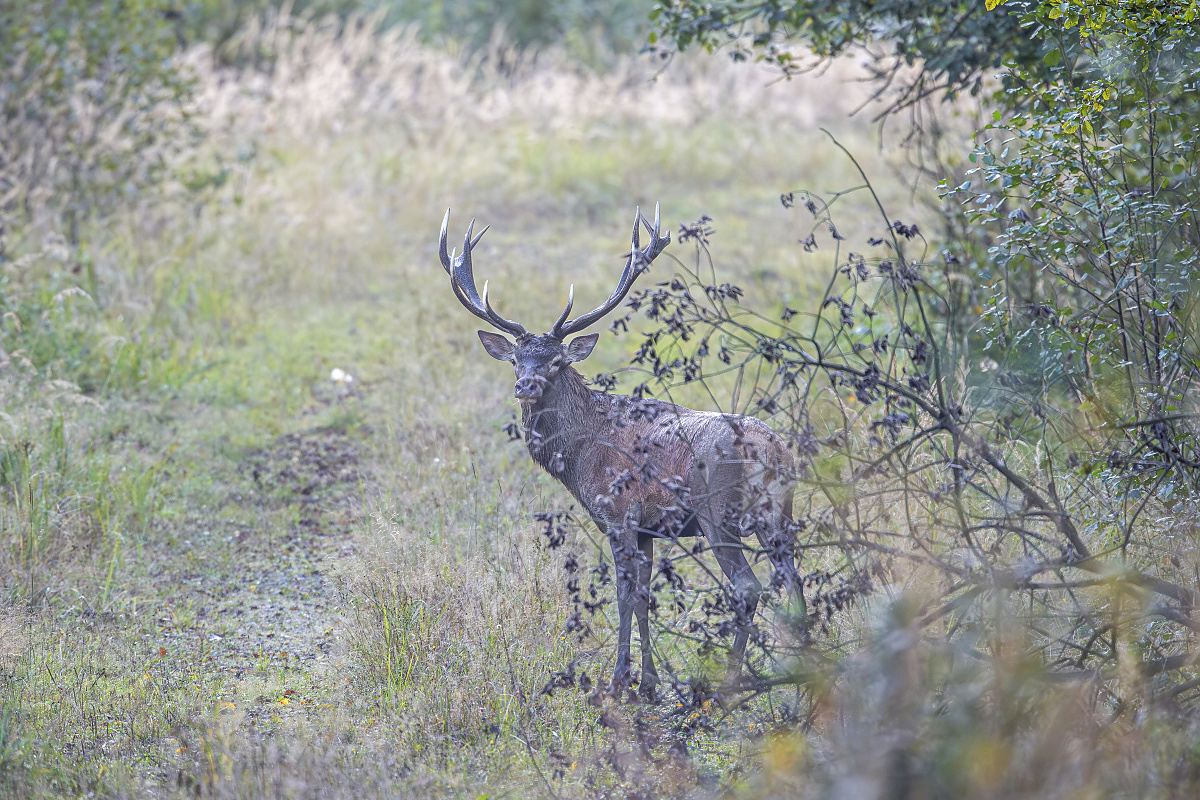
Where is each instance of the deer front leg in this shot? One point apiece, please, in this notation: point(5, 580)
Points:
point(633, 559)
point(624, 554)
point(645, 566)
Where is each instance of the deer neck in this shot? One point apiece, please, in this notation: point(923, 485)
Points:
point(562, 422)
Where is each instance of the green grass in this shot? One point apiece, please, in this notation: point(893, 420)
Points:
point(224, 573)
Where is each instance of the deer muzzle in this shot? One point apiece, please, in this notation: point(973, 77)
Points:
point(529, 388)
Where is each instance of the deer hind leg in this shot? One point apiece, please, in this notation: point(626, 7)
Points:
point(779, 542)
point(731, 556)
point(771, 508)
point(778, 539)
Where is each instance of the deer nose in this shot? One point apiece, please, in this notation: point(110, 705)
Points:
point(529, 388)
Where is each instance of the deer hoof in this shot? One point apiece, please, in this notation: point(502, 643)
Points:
point(622, 681)
point(730, 687)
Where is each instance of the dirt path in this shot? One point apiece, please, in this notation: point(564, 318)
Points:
point(247, 594)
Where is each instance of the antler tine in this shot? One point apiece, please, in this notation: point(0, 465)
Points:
point(445, 256)
point(555, 331)
point(464, 269)
point(657, 241)
point(639, 261)
point(500, 322)
point(462, 280)
point(657, 221)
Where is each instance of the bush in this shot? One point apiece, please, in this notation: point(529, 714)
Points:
point(914, 49)
point(93, 101)
point(1016, 560)
point(1089, 192)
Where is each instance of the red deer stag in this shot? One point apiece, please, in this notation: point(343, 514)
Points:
point(643, 469)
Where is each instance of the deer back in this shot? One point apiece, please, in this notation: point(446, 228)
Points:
point(643, 459)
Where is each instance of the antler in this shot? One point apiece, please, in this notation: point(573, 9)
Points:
point(639, 262)
point(462, 280)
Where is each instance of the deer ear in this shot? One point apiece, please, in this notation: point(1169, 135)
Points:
point(497, 346)
point(581, 347)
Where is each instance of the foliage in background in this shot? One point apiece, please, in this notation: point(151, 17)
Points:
point(95, 98)
point(93, 105)
point(1089, 194)
point(915, 49)
point(590, 30)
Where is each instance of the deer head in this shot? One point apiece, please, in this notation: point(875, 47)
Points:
point(539, 359)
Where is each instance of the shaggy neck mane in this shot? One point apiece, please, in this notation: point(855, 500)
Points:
point(563, 420)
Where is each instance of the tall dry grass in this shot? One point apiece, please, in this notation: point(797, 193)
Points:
point(379, 134)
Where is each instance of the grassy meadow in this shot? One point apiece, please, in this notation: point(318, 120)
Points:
point(225, 573)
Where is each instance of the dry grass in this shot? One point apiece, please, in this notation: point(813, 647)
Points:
point(377, 136)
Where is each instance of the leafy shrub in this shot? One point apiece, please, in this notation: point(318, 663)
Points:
point(917, 49)
point(1089, 192)
point(1013, 564)
point(93, 100)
